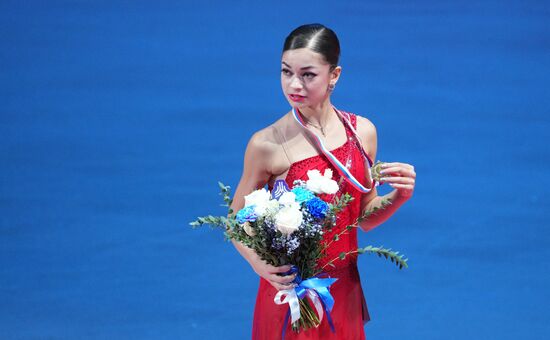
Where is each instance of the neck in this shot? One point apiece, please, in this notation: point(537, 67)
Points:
point(319, 115)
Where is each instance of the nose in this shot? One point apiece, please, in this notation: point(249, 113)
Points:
point(296, 82)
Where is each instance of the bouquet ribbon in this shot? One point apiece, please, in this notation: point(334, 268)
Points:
point(316, 289)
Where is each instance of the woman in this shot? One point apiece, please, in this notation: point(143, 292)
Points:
point(287, 150)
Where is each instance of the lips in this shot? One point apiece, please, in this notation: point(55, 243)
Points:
point(296, 97)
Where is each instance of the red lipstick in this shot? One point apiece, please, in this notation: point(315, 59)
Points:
point(296, 97)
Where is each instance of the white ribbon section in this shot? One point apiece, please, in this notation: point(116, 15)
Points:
point(291, 298)
point(316, 302)
point(293, 301)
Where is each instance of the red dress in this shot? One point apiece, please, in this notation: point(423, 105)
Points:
point(349, 313)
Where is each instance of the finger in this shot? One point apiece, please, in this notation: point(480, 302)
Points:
point(402, 180)
point(402, 186)
point(392, 169)
point(398, 171)
point(282, 283)
point(280, 269)
point(282, 279)
point(397, 165)
point(387, 164)
point(391, 164)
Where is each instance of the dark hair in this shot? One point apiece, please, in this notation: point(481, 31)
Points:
point(317, 38)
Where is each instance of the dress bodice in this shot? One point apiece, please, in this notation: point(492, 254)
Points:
point(350, 155)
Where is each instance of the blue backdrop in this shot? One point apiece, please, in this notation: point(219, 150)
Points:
point(118, 119)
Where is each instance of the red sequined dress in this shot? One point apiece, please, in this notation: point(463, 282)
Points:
point(350, 312)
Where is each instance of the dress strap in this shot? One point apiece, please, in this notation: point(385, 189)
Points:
point(282, 140)
point(351, 120)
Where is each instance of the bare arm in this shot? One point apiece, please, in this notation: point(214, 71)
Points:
point(256, 173)
point(402, 180)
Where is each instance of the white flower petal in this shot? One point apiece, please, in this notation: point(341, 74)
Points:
point(287, 198)
point(288, 219)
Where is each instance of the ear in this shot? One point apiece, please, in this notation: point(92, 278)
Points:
point(335, 74)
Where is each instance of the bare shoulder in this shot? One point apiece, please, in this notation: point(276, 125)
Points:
point(261, 141)
point(367, 132)
point(260, 152)
point(266, 140)
point(264, 147)
point(365, 126)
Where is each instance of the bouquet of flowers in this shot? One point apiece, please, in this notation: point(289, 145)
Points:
point(286, 226)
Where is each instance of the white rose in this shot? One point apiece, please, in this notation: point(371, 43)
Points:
point(321, 184)
point(288, 219)
point(272, 207)
point(260, 198)
point(248, 229)
point(260, 210)
point(287, 198)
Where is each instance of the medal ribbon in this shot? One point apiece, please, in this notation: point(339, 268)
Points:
point(337, 164)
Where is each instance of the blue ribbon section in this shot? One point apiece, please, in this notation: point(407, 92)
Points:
point(319, 286)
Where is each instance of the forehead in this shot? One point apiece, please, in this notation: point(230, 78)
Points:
point(303, 57)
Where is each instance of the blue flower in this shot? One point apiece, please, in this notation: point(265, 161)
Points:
point(317, 207)
point(302, 194)
point(246, 214)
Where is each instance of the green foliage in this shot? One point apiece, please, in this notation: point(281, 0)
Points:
point(226, 193)
point(380, 251)
point(393, 256)
point(340, 203)
point(367, 213)
point(227, 223)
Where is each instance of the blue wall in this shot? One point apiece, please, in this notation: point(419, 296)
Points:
point(118, 119)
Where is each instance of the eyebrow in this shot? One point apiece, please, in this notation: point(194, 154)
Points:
point(303, 68)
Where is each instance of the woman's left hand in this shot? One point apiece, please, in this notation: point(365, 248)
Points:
point(400, 176)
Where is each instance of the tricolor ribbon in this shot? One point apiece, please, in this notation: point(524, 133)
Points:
point(344, 171)
point(316, 289)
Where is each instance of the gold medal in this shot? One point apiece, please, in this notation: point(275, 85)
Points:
point(375, 171)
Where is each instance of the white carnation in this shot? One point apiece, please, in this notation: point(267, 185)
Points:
point(288, 219)
point(321, 184)
point(313, 183)
point(328, 173)
point(260, 198)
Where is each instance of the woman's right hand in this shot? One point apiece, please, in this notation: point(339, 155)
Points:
point(270, 273)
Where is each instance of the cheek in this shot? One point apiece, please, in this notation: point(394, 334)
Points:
point(317, 86)
point(284, 82)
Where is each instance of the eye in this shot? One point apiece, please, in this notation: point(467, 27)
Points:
point(285, 71)
point(309, 75)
